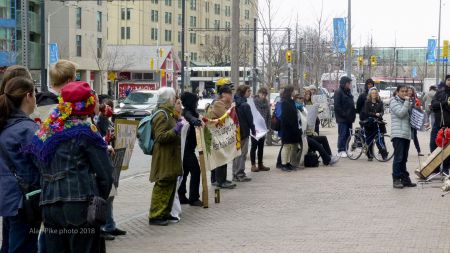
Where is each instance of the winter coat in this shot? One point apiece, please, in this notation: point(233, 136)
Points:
point(192, 117)
point(166, 156)
point(440, 99)
point(361, 103)
point(263, 107)
point(17, 133)
point(400, 125)
point(371, 109)
point(245, 117)
point(344, 106)
point(217, 109)
point(289, 124)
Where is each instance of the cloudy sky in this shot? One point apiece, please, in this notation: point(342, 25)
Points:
point(408, 22)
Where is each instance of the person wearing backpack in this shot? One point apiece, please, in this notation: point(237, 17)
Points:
point(17, 102)
point(166, 158)
point(190, 162)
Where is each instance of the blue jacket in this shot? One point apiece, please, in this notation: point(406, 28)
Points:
point(17, 133)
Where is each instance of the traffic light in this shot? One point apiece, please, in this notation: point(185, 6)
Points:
point(373, 60)
point(289, 56)
point(360, 61)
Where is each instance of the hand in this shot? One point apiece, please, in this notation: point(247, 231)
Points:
point(178, 127)
point(111, 150)
point(407, 98)
point(377, 114)
point(448, 101)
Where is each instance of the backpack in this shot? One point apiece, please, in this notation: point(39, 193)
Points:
point(311, 159)
point(275, 123)
point(144, 132)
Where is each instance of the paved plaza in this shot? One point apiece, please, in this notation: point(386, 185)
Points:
point(349, 207)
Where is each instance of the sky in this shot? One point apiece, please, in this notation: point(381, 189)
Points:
point(406, 23)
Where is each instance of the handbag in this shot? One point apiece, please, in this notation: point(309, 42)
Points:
point(30, 210)
point(97, 209)
point(311, 159)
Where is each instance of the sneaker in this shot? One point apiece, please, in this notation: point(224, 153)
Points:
point(343, 154)
point(242, 179)
point(286, 168)
point(158, 222)
point(292, 167)
point(183, 199)
point(107, 236)
point(254, 168)
point(370, 159)
point(196, 203)
point(334, 159)
point(407, 182)
point(398, 184)
point(117, 232)
point(173, 219)
point(214, 183)
point(227, 185)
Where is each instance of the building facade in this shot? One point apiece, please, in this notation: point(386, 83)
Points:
point(79, 28)
point(158, 22)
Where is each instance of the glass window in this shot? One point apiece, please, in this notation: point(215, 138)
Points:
point(139, 97)
point(179, 37)
point(147, 76)
point(207, 23)
point(78, 45)
point(99, 47)
point(193, 22)
point(128, 13)
point(154, 16)
point(122, 13)
point(180, 19)
point(154, 34)
point(217, 9)
point(193, 5)
point(247, 14)
point(128, 33)
point(168, 17)
point(193, 38)
point(168, 2)
point(216, 24)
point(122, 33)
point(206, 6)
point(78, 17)
point(99, 21)
point(168, 35)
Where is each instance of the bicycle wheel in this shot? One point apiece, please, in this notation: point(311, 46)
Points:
point(354, 146)
point(385, 143)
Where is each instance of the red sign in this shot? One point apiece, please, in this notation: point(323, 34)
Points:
point(125, 88)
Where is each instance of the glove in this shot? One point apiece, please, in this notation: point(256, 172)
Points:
point(197, 123)
point(178, 127)
point(253, 132)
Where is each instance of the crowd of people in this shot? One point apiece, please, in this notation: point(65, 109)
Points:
point(61, 151)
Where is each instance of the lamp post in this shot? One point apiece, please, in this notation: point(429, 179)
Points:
point(349, 40)
point(438, 54)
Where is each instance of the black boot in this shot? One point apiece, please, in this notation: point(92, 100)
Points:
point(406, 181)
point(398, 184)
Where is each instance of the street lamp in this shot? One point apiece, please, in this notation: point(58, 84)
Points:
point(438, 55)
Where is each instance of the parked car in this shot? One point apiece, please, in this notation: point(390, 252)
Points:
point(137, 104)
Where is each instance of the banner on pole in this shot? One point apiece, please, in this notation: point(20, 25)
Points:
point(258, 120)
point(430, 50)
point(340, 34)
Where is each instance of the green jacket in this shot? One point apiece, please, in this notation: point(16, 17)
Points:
point(166, 157)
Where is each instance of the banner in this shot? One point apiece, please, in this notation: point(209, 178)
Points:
point(126, 132)
point(340, 34)
point(220, 140)
point(258, 120)
point(313, 111)
point(53, 49)
point(430, 50)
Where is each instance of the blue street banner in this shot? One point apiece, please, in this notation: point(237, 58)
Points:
point(340, 34)
point(430, 50)
point(53, 50)
point(414, 72)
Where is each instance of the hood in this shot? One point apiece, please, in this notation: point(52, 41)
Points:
point(189, 101)
point(239, 100)
point(16, 117)
point(46, 98)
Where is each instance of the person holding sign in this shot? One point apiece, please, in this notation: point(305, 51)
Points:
point(415, 104)
point(400, 107)
point(263, 107)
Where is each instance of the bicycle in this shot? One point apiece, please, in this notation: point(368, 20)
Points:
point(356, 144)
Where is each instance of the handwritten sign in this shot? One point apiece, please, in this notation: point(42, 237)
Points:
point(126, 131)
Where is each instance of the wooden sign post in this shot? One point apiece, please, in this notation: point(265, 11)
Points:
point(200, 147)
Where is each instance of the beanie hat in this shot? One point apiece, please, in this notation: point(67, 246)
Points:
point(189, 100)
point(344, 80)
point(80, 97)
point(225, 89)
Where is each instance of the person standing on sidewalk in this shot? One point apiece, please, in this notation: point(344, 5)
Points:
point(415, 104)
point(290, 132)
point(246, 126)
point(344, 109)
point(166, 158)
point(263, 107)
point(217, 109)
point(400, 107)
point(190, 162)
point(362, 99)
point(17, 102)
point(374, 110)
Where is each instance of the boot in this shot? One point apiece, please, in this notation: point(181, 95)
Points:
point(406, 181)
point(261, 167)
point(398, 184)
point(254, 168)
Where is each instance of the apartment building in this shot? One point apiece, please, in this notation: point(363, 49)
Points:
point(79, 28)
point(158, 22)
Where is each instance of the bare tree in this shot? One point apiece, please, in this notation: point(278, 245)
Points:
point(217, 49)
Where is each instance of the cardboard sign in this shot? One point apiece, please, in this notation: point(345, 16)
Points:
point(126, 131)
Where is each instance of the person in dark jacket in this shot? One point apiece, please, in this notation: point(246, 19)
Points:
point(263, 107)
point(190, 162)
point(290, 132)
point(440, 106)
point(344, 110)
point(374, 110)
point(17, 102)
point(246, 126)
point(74, 165)
point(362, 99)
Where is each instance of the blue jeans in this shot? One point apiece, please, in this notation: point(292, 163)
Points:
point(110, 223)
point(343, 134)
point(433, 134)
point(401, 149)
point(18, 235)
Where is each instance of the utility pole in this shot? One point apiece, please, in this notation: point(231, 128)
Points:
point(302, 66)
point(438, 55)
point(44, 80)
point(25, 33)
point(269, 67)
point(349, 40)
point(255, 45)
point(235, 42)
point(289, 64)
point(183, 38)
point(296, 59)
